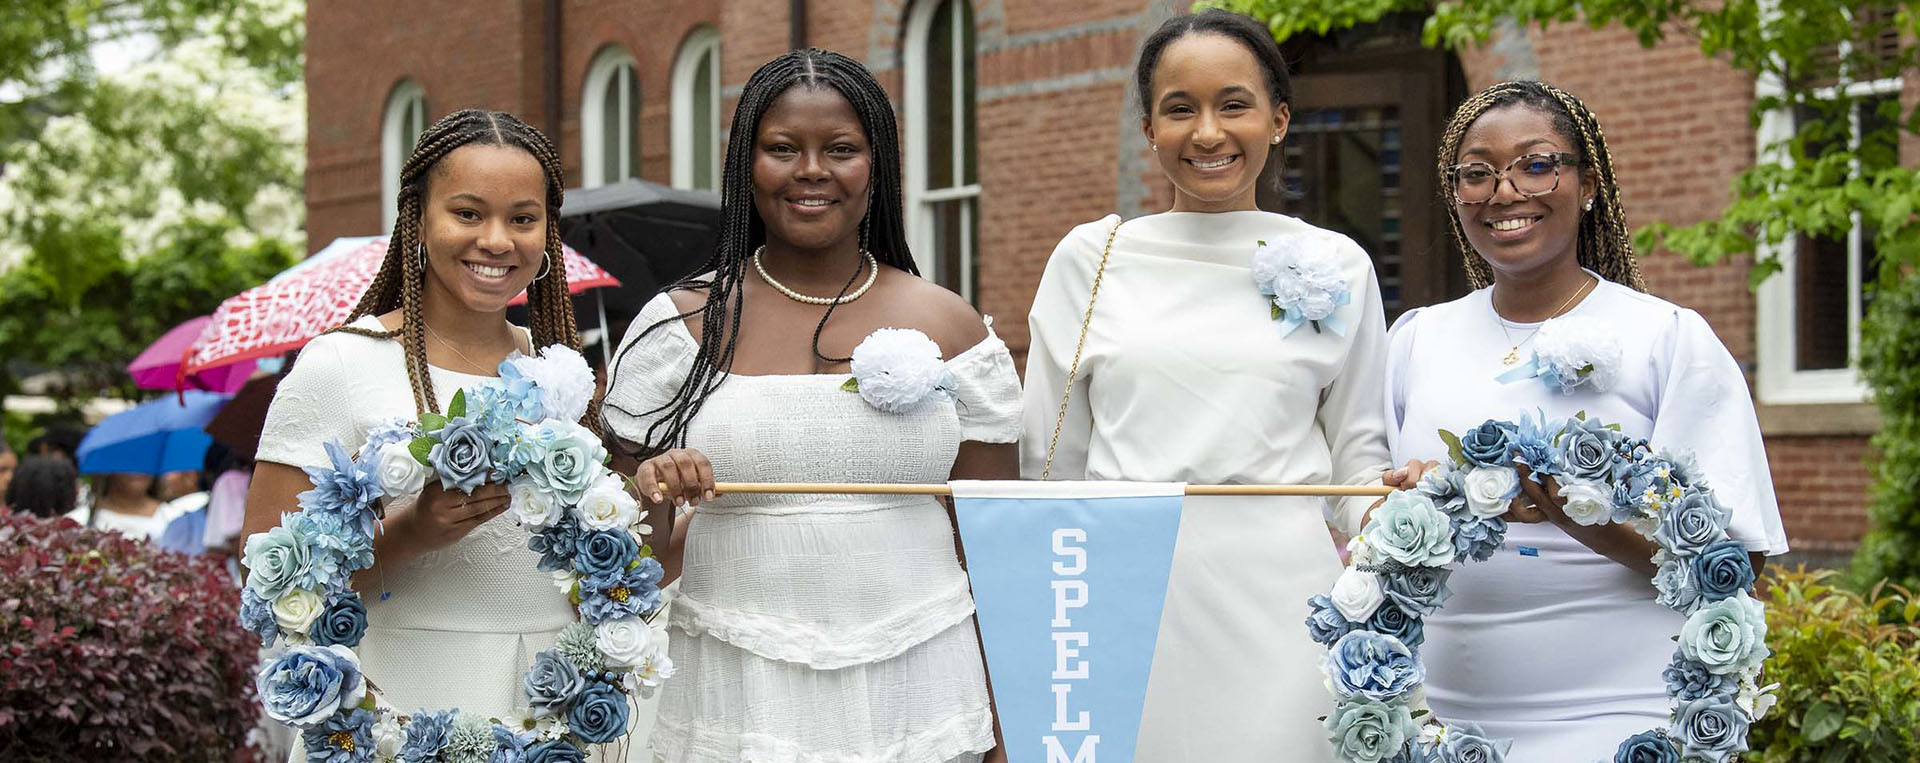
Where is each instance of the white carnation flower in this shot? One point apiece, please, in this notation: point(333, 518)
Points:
point(531, 505)
point(563, 378)
point(899, 370)
point(606, 505)
point(1357, 594)
point(297, 608)
point(1490, 490)
point(1576, 350)
point(1269, 263)
point(401, 475)
point(625, 641)
point(1588, 502)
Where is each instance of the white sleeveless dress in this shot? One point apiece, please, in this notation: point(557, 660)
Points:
point(819, 627)
point(460, 625)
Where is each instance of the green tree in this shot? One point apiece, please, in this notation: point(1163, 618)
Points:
point(1814, 182)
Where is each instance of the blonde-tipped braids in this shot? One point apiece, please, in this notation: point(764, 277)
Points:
point(1606, 243)
point(403, 273)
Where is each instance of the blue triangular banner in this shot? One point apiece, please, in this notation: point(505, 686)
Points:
point(1068, 580)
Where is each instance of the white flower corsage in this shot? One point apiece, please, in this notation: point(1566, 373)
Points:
point(1569, 352)
point(899, 371)
point(1302, 276)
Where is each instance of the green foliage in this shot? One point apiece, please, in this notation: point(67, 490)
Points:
point(39, 38)
point(1850, 686)
point(1890, 363)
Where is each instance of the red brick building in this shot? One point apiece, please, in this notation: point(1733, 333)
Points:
point(1020, 125)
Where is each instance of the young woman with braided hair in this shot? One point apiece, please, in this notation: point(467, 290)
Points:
point(814, 627)
point(455, 610)
point(1557, 641)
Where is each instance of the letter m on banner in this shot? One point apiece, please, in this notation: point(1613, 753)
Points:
point(1068, 581)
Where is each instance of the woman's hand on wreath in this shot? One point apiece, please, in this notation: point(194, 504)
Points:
point(678, 476)
point(1537, 502)
point(440, 517)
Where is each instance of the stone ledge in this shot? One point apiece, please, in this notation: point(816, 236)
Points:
point(1819, 420)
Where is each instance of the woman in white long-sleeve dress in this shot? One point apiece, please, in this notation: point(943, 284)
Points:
point(816, 627)
point(456, 608)
point(1557, 641)
point(1185, 375)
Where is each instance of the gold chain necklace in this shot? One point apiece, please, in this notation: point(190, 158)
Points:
point(449, 345)
point(1513, 353)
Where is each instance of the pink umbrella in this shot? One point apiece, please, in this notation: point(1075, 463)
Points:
point(159, 366)
point(299, 304)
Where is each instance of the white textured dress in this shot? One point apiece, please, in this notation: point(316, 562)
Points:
point(462, 623)
point(1186, 377)
point(1561, 650)
point(819, 627)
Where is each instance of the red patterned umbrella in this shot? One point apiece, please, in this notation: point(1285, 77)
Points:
point(316, 295)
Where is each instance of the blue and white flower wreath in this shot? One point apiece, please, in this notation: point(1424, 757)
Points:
point(1371, 621)
point(518, 429)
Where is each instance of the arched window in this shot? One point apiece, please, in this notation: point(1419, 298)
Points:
point(943, 188)
point(400, 127)
point(610, 120)
point(696, 111)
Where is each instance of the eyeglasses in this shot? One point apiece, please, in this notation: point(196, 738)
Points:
point(1531, 175)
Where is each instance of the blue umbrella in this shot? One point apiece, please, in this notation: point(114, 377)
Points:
point(155, 437)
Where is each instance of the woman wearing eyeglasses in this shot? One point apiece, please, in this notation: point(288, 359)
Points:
point(1558, 641)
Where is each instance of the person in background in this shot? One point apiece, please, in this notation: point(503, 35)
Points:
point(127, 504)
point(44, 486)
point(9, 461)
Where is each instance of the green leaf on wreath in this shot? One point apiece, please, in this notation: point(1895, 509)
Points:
point(458, 407)
point(432, 422)
point(1275, 312)
point(1454, 450)
point(646, 551)
point(852, 384)
point(368, 703)
point(421, 447)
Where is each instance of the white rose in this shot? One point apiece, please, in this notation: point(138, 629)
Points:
point(606, 505)
point(532, 506)
point(1588, 503)
point(1490, 490)
point(401, 475)
point(297, 608)
point(1357, 594)
point(625, 641)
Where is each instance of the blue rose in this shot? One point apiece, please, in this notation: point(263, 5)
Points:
point(600, 714)
point(256, 615)
point(551, 683)
point(1710, 729)
point(461, 455)
point(276, 560)
point(308, 684)
point(1647, 747)
point(1419, 590)
point(1371, 665)
point(1391, 620)
point(509, 747)
point(1365, 731)
point(1687, 679)
point(1468, 743)
point(569, 462)
point(1489, 444)
point(1678, 589)
point(426, 735)
point(553, 752)
point(344, 622)
point(1722, 570)
point(622, 593)
point(345, 738)
point(1409, 529)
point(1587, 448)
point(555, 545)
point(347, 490)
point(1692, 523)
point(603, 552)
point(1476, 538)
point(1728, 636)
point(1443, 486)
point(1325, 624)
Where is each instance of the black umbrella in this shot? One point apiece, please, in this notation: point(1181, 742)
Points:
point(646, 234)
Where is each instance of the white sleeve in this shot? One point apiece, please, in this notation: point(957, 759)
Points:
point(1400, 340)
point(1350, 417)
point(987, 392)
point(1053, 326)
point(1705, 410)
point(310, 407)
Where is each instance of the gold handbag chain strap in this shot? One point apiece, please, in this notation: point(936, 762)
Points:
point(1073, 371)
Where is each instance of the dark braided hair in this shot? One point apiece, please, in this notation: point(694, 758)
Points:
point(882, 230)
point(1606, 243)
point(403, 274)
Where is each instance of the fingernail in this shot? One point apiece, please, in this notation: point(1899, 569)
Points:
point(709, 495)
point(658, 497)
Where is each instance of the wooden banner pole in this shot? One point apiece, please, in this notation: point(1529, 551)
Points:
point(828, 488)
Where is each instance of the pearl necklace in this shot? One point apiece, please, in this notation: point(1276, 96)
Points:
point(873, 273)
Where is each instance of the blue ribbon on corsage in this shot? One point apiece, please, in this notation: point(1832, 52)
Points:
point(1291, 318)
point(1557, 377)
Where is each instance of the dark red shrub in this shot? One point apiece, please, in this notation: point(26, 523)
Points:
point(116, 650)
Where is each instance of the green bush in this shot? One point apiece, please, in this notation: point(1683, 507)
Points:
point(1849, 680)
point(1890, 365)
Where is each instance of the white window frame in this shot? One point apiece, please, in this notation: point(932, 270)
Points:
point(1779, 378)
point(610, 62)
point(401, 122)
point(703, 43)
point(921, 199)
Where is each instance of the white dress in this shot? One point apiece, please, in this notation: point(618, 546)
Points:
point(1186, 377)
point(462, 623)
point(819, 627)
point(1562, 652)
